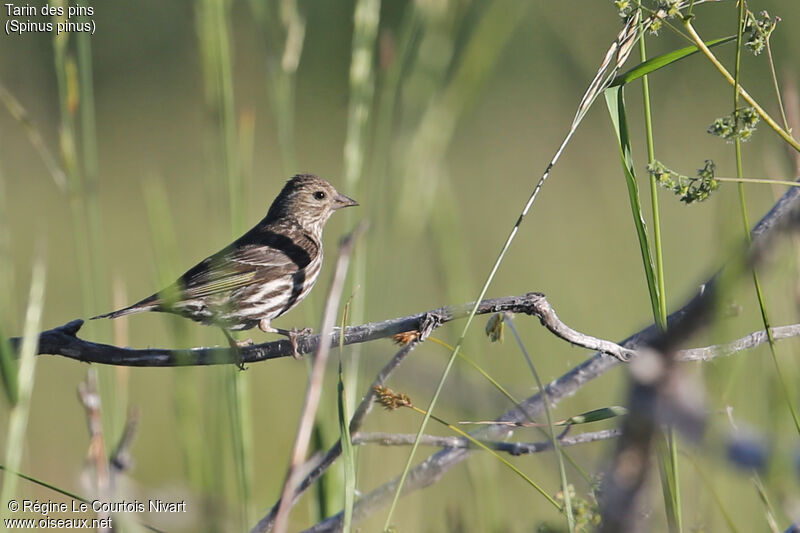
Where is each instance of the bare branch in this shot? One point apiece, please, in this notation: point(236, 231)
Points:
point(747, 342)
point(513, 448)
point(547, 316)
point(63, 340)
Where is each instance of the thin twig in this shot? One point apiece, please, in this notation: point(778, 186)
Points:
point(314, 391)
point(120, 459)
point(567, 509)
point(96, 471)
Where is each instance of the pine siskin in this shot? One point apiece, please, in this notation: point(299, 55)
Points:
point(264, 273)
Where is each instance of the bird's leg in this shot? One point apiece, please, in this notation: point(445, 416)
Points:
point(235, 346)
point(292, 334)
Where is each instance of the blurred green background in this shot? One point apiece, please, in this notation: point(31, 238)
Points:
point(440, 208)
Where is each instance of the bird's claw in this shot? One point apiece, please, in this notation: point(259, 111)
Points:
point(293, 334)
point(239, 362)
point(236, 348)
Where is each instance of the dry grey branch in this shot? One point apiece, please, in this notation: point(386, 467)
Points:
point(547, 316)
point(747, 342)
point(64, 341)
point(513, 448)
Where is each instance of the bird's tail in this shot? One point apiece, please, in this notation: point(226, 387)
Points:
point(148, 304)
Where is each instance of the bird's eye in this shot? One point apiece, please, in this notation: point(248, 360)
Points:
point(319, 195)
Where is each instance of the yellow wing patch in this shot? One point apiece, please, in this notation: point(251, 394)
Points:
point(227, 283)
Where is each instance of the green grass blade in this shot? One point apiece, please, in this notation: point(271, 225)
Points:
point(668, 459)
point(562, 471)
point(710, 488)
point(366, 19)
point(502, 459)
point(348, 456)
point(187, 399)
point(514, 401)
point(8, 290)
point(615, 100)
point(21, 116)
point(769, 510)
point(785, 388)
point(59, 490)
point(495, 27)
point(237, 387)
point(45, 484)
point(214, 18)
point(18, 418)
point(655, 63)
point(348, 450)
point(595, 415)
point(8, 371)
point(667, 467)
point(283, 30)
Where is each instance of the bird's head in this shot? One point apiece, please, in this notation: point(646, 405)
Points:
point(310, 200)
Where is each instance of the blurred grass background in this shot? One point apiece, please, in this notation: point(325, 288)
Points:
point(437, 218)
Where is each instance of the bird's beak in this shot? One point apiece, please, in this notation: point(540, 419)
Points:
point(343, 201)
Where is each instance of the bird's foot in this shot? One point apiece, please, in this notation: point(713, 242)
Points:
point(245, 343)
point(293, 334)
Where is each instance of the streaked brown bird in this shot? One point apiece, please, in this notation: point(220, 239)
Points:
point(264, 273)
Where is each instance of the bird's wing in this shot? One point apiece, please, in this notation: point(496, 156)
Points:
point(268, 257)
point(232, 269)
